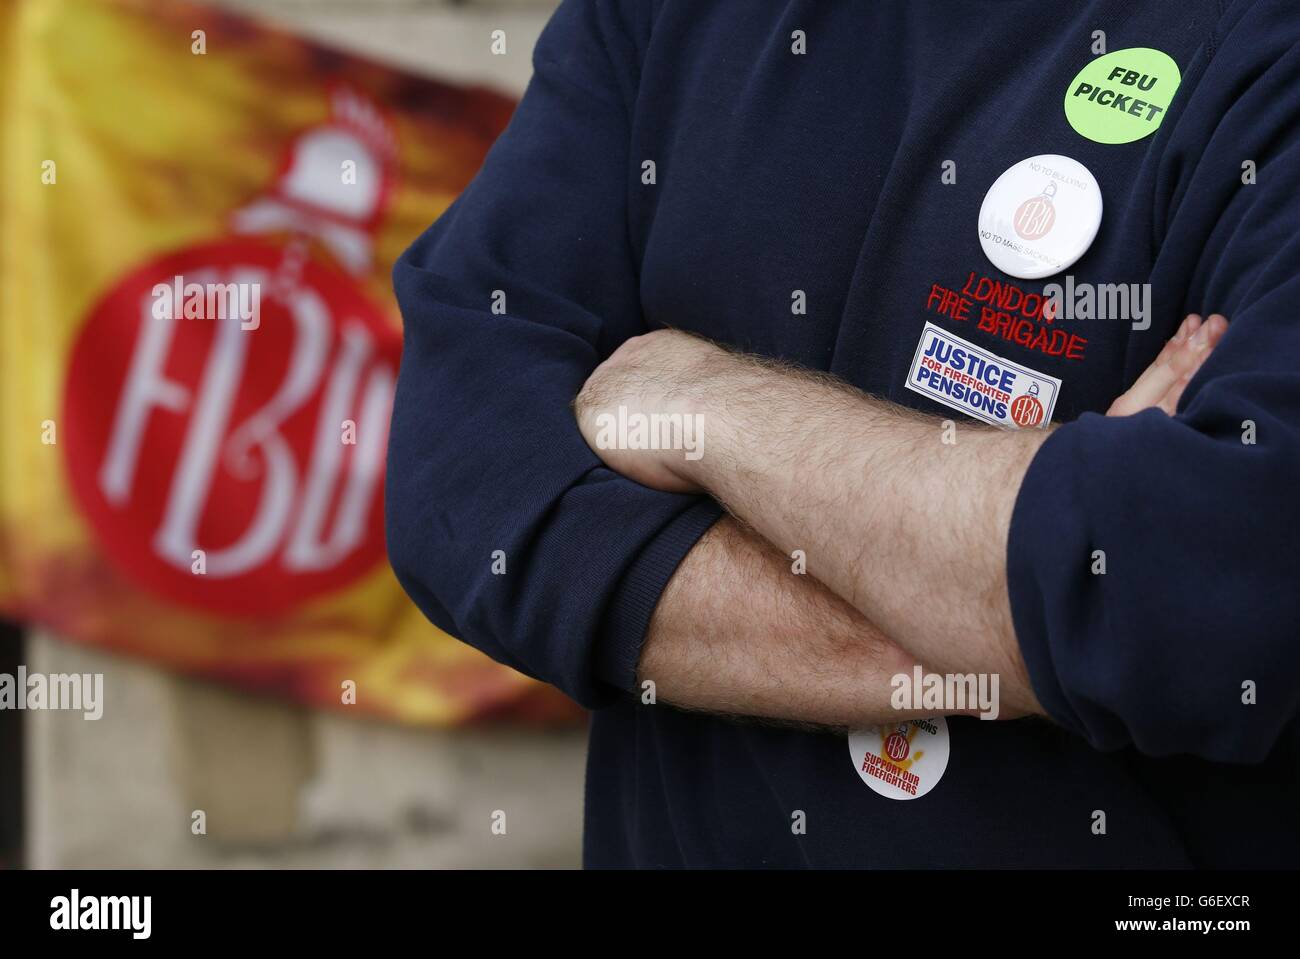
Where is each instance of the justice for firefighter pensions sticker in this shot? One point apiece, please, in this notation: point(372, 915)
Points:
point(967, 378)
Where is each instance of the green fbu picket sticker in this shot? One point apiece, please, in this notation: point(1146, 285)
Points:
point(1122, 96)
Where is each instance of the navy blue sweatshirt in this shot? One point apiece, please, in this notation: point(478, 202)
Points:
point(823, 171)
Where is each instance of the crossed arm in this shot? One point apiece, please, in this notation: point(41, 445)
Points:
point(904, 535)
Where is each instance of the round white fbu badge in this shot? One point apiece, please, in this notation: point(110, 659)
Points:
point(1040, 216)
point(902, 760)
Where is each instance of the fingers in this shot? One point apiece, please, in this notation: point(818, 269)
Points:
point(1189, 359)
point(1185, 330)
point(1157, 378)
point(1169, 402)
point(1162, 383)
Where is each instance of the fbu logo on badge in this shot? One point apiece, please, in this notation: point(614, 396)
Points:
point(961, 375)
point(896, 745)
point(1027, 410)
point(1036, 216)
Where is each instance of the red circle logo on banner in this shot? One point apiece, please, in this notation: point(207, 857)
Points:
point(224, 425)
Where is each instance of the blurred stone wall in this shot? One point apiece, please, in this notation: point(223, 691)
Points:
point(280, 785)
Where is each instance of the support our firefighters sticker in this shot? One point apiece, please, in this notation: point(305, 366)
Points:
point(902, 760)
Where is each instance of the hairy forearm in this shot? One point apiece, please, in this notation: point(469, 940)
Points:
point(738, 632)
point(907, 528)
point(904, 516)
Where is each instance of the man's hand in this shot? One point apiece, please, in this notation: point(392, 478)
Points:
point(1163, 382)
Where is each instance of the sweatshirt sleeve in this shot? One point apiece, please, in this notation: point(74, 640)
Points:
point(1189, 642)
point(502, 525)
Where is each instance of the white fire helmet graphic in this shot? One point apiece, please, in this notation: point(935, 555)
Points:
point(334, 183)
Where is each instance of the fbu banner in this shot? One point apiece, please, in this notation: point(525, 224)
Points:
point(200, 347)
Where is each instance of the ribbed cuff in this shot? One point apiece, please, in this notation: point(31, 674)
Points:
point(1044, 532)
point(628, 615)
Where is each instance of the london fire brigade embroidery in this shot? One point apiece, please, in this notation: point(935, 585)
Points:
point(1008, 312)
